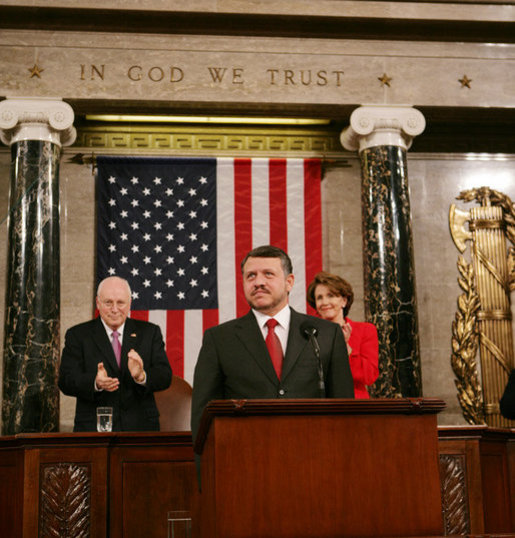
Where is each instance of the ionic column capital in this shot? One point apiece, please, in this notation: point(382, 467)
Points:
point(36, 118)
point(382, 125)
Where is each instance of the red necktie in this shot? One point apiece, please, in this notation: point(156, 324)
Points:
point(274, 347)
point(117, 347)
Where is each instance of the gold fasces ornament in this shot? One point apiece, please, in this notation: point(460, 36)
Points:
point(484, 319)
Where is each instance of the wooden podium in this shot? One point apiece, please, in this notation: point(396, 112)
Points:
point(320, 468)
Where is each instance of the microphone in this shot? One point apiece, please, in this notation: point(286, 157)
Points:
point(310, 332)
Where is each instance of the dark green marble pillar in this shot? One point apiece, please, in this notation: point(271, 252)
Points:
point(389, 272)
point(390, 294)
point(30, 399)
point(31, 341)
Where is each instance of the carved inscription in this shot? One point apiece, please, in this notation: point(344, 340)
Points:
point(155, 73)
point(217, 75)
point(235, 74)
point(304, 77)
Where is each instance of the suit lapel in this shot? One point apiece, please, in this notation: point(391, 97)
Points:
point(249, 333)
point(104, 345)
point(296, 343)
point(130, 340)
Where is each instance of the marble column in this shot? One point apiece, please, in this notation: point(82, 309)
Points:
point(383, 134)
point(35, 129)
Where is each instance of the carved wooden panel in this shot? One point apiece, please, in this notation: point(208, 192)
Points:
point(455, 509)
point(65, 500)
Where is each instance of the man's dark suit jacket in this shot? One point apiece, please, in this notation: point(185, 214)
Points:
point(234, 363)
point(134, 406)
point(507, 403)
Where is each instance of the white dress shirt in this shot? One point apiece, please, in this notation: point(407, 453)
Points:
point(110, 332)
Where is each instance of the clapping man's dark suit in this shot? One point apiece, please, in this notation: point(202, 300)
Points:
point(234, 362)
point(89, 370)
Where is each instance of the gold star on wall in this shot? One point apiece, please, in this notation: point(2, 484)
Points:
point(465, 81)
point(385, 80)
point(35, 71)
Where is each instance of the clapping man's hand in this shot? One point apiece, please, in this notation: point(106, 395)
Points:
point(136, 368)
point(103, 381)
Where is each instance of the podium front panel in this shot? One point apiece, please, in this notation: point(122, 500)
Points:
point(321, 476)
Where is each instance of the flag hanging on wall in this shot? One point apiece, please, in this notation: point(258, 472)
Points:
point(178, 228)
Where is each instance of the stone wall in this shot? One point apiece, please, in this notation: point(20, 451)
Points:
point(286, 57)
point(435, 181)
point(171, 71)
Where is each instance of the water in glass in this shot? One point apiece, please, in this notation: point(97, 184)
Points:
point(104, 419)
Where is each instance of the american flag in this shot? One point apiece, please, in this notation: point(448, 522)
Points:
point(178, 228)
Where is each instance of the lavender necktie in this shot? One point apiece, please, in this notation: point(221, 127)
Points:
point(117, 347)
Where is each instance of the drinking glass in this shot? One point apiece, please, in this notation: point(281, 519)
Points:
point(104, 419)
point(179, 524)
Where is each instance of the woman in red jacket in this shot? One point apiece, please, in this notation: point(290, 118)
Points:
point(332, 297)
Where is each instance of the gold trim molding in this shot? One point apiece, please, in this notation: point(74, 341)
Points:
point(206, 140)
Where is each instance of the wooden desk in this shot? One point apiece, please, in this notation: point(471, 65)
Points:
point(127, 482)
point(477, 471)
point(98, 485)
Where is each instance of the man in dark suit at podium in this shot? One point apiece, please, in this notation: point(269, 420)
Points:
point(114, 361)
point(253, 357)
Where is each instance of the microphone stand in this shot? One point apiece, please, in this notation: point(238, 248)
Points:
point(316, 348)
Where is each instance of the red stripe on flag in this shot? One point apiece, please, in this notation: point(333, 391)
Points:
point(139, 314)
point(242, 224)
point(312, 220)
point(175, 341)
point(278, 209)
point(209, 319)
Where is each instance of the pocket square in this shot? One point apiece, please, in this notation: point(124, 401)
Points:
point(133, 335)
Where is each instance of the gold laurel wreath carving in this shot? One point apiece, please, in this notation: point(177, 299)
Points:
point(464, 347)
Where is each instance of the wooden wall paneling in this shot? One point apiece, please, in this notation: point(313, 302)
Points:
point(30, 493)
point(147, 482)
point(11, 498)
point(493, 474)
point(474, 485)
point(462, 494)
point(73, 491)
point(510, 448)
point(496, 481)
